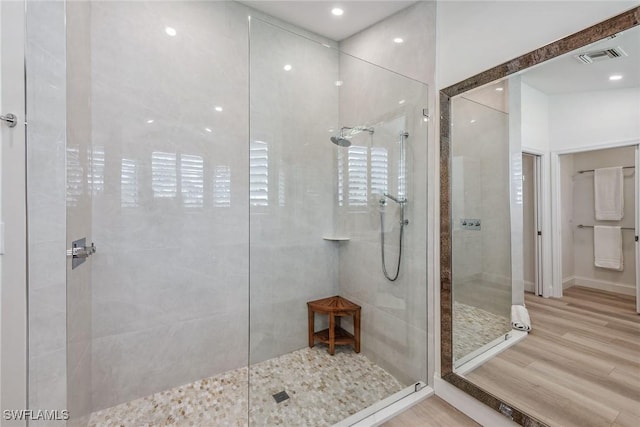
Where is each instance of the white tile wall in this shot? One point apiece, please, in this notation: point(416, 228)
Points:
point(171, 279)
point(394, 313)
point(46, 115)
point(158, 177)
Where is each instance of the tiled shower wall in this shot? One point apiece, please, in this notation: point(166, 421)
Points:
point(171, 170)
point(80, 185)
point(158, 168)
point(394, 314)
point(170, 208)
point(293, 114)
point(46, 138)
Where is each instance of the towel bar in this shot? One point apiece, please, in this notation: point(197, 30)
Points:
point(591, 226)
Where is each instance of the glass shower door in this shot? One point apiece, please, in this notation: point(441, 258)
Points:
point(481, 252)
point(325, 146)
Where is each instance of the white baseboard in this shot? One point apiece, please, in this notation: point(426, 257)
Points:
point(603, 285)
point(529, 286)
point(568, 282)
point(474, 409)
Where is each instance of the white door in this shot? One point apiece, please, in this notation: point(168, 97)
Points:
point(532, 222)
point(13, 237)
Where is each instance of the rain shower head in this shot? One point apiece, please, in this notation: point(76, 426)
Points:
point(343, 140)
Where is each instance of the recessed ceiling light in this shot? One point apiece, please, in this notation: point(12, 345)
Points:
point(208, 130)
point(398, 40)
point(218, 108)
point(171, 31)
point(339, 82)
point(402, 101)
point(615, 77)
point(499, 89)
point(150, 121)
point(337, 11)
point(288, 67)
point(472, 121)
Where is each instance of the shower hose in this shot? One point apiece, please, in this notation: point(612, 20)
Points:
point(384, 266)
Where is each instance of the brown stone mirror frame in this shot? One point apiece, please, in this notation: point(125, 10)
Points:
point(592, 34)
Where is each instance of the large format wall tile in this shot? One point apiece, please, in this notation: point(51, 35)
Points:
point(394, 313)
point(170, 212)
point(46, 138)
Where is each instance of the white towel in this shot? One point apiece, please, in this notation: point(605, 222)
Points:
point(607, 247)
point(520, 318)
point(609, 195)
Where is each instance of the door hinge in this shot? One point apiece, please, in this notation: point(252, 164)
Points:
point(539, 233)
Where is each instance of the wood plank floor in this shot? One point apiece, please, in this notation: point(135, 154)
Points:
point(431, 412)
point(580, 365)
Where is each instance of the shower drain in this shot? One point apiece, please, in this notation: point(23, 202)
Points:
point(281, 396)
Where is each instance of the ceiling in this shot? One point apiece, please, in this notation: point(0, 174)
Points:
point(561, 75)
point(315, 15)
point(568, 75)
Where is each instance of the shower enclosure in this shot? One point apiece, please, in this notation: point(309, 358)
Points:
point(480, 221)
point(193, 148)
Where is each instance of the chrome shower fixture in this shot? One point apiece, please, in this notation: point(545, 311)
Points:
point(343, 139)
point(395, 199)
point(402, 202)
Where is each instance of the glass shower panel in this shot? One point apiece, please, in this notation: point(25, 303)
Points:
point(294, 111)
point(392, 161)
point(315, 226)
point(158, 116)
point(480, 226)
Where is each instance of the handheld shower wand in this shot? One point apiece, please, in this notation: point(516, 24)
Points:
point(403, 222)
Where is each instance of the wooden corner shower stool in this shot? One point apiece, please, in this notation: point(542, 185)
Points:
point(335, 307)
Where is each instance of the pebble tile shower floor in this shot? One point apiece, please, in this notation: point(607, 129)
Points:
point(474, 328)
point(322, 389)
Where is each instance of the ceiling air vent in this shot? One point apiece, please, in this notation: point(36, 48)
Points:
point(600, 55)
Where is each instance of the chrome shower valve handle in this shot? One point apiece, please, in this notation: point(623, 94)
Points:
point(10, 119)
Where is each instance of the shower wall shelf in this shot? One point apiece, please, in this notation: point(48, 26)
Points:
point(336, 238)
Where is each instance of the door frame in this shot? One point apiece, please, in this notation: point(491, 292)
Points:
point(556, 209)
point(13, 277)
point(637, 233)
point(544, 265)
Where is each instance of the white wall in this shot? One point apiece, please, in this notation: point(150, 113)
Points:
point(535, 119)
point(591, 119)
point(566, 198)
point(587, 121)
point(583, 213)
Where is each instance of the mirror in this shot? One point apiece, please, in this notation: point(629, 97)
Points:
point(520, 144)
